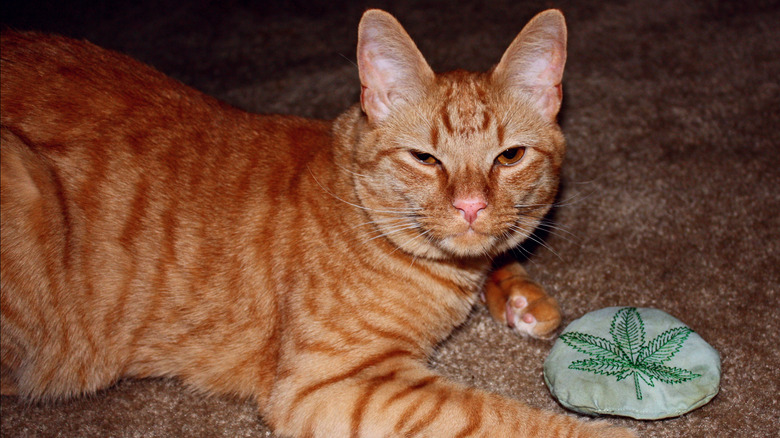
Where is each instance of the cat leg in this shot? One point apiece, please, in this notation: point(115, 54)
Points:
point(512, 298)
point(398, 396)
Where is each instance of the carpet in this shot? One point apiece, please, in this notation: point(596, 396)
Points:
point(670, 192)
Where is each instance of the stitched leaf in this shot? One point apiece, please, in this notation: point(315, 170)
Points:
point(628, 331)
point(627, 372)
point(592, 345)
point(599, 366)
point(664, 346)
point(647, 378)
point(628, 355)
point(670, 375)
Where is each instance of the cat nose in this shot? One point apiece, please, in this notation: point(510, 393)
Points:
point(470, 208)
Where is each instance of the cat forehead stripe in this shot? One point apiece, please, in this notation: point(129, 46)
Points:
point(464, 109)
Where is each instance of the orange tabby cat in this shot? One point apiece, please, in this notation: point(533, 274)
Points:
point(149, 230)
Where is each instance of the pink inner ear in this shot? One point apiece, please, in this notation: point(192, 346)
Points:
point(374, 84)
point(372, 105)
point(391, 67)
point(550, 79)
point(534, 62)
point(550, 101)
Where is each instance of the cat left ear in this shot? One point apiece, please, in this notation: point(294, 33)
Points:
point(533, 63)
point(392, 69)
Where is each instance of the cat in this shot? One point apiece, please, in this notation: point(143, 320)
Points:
point(150, 230)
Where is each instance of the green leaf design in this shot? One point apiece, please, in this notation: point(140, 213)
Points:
point(664, 346)
point(592, 345)
point(627, 355)
point(628, 331)
point(603, 367)
point(670, 375)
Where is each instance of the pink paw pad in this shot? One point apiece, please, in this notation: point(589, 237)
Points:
point(519, 302)
point(514, 308)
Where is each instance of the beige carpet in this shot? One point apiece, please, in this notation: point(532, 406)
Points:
point(671, 190)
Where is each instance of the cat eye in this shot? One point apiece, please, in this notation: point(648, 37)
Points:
point(424, 158)
point(511, 156)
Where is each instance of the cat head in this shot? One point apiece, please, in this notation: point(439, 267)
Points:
point(459, 164)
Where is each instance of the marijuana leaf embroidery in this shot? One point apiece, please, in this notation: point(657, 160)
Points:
point(628, 355)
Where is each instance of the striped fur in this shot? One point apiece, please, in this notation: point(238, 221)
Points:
point(149, 230)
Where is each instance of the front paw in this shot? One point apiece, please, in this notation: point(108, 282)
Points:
point(538, 318)
point(522, 304)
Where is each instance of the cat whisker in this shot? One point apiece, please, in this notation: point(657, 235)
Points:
point(352, 172)
point(384, 257)
point(395, 229)
point(349, 60)
point(571, 200)
point(388, 220)
point(558, 231)
point(531, 237)
point(547, 226)
point(488, 252)
point(532, 207)
point(423, 234)
point(428, 240)
point(389, 210)
point(526, 253)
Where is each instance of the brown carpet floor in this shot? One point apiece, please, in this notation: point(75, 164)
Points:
point(671, 190)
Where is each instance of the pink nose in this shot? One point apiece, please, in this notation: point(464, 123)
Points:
point(470, 208)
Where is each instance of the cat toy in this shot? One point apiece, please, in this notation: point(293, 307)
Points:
point(636, 362)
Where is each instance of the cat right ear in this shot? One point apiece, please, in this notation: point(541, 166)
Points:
point(392, 69)
point(532, 66)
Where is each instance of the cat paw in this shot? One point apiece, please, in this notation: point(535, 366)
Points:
point(538, 318)
point(521, 304)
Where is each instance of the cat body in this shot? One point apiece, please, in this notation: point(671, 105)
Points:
point(150, 230)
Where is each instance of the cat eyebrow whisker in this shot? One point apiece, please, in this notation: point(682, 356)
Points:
point(349, 60)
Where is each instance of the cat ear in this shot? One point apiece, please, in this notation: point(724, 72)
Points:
point(392, 69)
point(533, 63)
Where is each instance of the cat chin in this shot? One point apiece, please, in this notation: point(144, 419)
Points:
point(472, 245)
point(469, 244)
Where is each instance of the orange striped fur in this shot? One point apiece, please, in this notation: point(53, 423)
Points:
point(150, 230)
